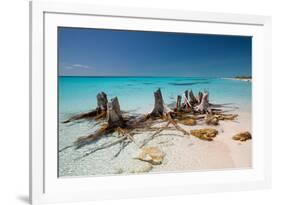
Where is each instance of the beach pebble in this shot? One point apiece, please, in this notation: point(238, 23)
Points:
point(152, 155)
point(212, 120)
point(205, 134)
point(242, 136)
point(189, 121)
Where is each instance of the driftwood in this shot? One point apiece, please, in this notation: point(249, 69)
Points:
point(188, 112)
point(103, 146)
point(81, 141)
point(102, 100)
point(123, 144)
point(114, 116)
point(200, 96)
point(193, 99)
point(186, 104)
point(160, 109)
point(154, 134)
point(178, 105)
point(114, 122)
point(99, 112)
point(203, 107)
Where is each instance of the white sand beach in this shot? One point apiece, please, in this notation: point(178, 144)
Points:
point(118, 89)
point(182, 153)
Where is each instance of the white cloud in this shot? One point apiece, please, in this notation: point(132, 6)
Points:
point(77, 66)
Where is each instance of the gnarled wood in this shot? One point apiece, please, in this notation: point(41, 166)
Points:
point(114, 120)
point(158, 109)
point(186, 104)
point(200, 96)
point(193, 99)
point(103, 146)
point(203, 107)
point(81, 141)
point(154, 134)
point(102, 100)
point(81, 116)
point(100, 110)
point(187, 113)
point(178, 105)
point(114, 116)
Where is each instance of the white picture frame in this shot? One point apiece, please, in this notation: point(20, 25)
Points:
point(46, 187)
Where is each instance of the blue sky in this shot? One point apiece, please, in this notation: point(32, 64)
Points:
point(100, 52)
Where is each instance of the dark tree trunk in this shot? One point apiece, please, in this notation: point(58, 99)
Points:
point(158, 109)
point(200, 95)
point(102, 100)
point(178, 106)
point(114, 116)
point(192, 98)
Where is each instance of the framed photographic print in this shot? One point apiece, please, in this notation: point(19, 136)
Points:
point(129, 102)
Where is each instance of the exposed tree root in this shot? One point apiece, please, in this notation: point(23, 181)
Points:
point(124, 132)
point(170, 119)
point(122, 147)
point(97, 113)
point(87, 115)
point(193, 108)
point(81, 141)
point(103, 146)
point(154, 134)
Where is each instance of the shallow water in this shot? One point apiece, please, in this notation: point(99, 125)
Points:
point(135, 94)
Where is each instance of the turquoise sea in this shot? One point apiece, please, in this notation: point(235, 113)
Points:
point(135, 94)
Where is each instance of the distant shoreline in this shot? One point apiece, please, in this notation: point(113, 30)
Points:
point(132, 76)
point(129, 76)
point(240, 79)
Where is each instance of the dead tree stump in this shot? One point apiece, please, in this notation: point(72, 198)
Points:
point(193, 99)
point(102, 101)
point(158, 109)
point(99, 112)
point(186, 103)
point(114, 116)
point(203, 107)
point(199, 98)
point(178, 105)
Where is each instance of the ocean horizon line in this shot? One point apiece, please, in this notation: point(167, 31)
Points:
point(132, 76)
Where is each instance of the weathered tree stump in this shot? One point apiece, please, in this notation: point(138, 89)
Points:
point(114, 116)
point(102, 100)
point(99, 112)
point(186, 113)
point(158, 109)
point(178, 105)
point(186, 94)
point(203, 107)
point(114, 121)
point(186, 104)
point(200, 96)
point(193, 99)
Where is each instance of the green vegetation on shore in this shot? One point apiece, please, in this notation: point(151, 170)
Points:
point(243, 77)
